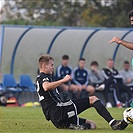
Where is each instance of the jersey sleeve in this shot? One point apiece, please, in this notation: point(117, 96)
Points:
point(44, 79)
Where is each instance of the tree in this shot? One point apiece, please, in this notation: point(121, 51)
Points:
point(92, 13)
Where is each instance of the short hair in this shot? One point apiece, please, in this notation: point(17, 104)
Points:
point(130, 14)
point(44, 59)
point(126, 62)
point(94, 63)
point(65, 57)
point(110, 59)
point(82, 59)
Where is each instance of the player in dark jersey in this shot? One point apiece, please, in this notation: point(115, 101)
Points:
point(65, 114)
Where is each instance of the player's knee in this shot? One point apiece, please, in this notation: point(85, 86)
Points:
point(93, 125)
point(92, 99)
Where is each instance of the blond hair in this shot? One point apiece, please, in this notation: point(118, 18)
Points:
point(44, 59)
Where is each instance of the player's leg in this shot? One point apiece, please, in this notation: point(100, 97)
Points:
point(93, 101)
point(93, 125)
point(83, 124)
point(103, 112)
point(69, 119)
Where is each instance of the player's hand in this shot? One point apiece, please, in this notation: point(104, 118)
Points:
point(115, 39)
point(129, 80)
point(67, 78)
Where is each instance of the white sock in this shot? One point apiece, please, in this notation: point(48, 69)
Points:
point(111, 121)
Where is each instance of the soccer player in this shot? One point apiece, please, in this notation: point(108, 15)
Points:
point(65, 114)
point(61, 71)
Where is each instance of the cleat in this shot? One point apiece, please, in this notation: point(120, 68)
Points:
point(119, 125)
point(77, 127)
point(123, 125)
point(116, 124)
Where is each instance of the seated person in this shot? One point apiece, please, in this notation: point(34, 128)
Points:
point(114, 80)
point(127, 76)
point(80, 80)
point(61, 71)
point(96, 76)
point(96, 79)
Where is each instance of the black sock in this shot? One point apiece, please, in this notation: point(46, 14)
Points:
point(87, 125)
point(102, 111)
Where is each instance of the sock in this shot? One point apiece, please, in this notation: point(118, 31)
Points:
point(87, 125)
point(112, 122)
point(102, 111)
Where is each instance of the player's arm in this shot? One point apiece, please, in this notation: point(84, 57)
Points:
point(52, 85)
point(128, 45)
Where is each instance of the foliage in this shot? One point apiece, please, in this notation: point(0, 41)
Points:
point(92, 13)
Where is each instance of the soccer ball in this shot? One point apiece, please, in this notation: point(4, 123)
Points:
point(128, 115)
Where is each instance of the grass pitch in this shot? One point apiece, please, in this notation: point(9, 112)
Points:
point(31, 120)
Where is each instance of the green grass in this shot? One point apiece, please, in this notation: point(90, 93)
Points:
point(31, 120)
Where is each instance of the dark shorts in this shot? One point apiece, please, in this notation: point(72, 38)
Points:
point(66, 113)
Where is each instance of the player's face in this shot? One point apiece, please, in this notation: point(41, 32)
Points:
point(126, 67)
point(49, 68)
point(131, 21)
point(81, 64)
point(94, 68)
point(65, 62)
point(110, 64)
